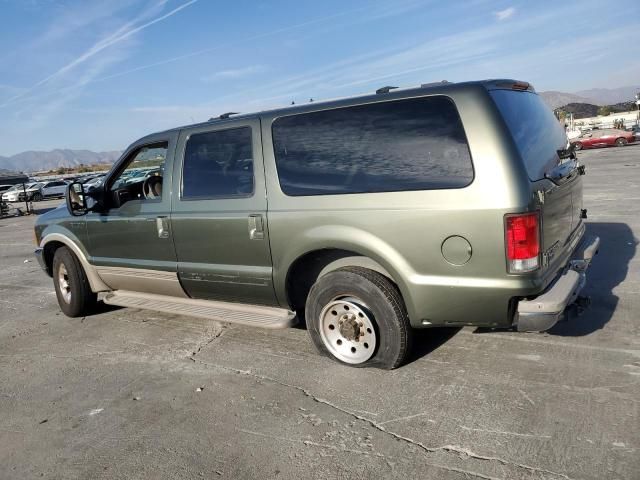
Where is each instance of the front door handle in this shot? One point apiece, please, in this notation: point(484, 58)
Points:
point(162, 224)
point(256, 227)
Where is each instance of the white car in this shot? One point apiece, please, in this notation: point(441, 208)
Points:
point(54, 188)
point(16, 193)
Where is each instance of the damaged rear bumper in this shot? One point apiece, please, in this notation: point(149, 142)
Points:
point(543, 312)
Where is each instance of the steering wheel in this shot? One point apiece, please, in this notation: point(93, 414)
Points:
point(152, 187)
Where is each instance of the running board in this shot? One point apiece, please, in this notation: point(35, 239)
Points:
point(243, 314)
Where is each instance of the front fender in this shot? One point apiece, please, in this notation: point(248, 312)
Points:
point(58, 233)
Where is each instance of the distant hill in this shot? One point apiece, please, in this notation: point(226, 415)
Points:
point(557, 99)
point(594, 96)
point(581, 110)
point(584, 110)
point(610, 96)
point(33, 161)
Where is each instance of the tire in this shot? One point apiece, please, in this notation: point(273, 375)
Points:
point(357, 317)
point(72, 286)
point(36, 197)
point(621, 142)
point(577, 146)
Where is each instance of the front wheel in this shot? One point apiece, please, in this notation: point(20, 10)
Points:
point(621, 142)
point(357, 317)
point(72, 285)
point(577, 146)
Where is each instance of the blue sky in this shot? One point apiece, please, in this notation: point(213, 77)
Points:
point(99, 74)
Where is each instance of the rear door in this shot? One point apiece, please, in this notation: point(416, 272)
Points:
point(219, 213)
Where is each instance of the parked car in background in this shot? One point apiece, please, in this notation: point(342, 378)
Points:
point(93, 182)
point(636, 132)
point(4, 188)
point(606, 137)
point(52, 189)
point(17, 192)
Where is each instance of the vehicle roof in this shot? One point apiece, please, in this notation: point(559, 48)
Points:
point(442, 87)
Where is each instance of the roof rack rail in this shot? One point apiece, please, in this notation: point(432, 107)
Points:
point(386, 89)
point(224, 115)
point(433, 84)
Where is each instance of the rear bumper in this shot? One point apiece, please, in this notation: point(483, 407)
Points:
point(542, 312)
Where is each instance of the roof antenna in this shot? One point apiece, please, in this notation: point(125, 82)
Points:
point(227, 115)
point(311, 100)
point(293, 102)
point(386, 89)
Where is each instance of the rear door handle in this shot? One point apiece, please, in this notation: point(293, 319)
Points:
point(256, 227)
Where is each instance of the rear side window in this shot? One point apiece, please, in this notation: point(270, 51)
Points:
point(414, 144)
point(534, 128)
point(218, 165)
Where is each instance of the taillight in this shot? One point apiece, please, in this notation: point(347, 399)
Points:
point(522, 235)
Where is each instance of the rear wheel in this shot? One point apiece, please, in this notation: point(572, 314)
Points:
point(577, 146)
point(621, 142)
point(357, 317)
point(72, 286)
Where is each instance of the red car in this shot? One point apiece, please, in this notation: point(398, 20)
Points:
point(605, 137)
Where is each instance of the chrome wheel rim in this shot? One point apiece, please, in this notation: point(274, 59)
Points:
point(63, 283)
point(347, 330)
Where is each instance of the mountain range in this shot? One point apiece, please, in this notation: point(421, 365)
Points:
point(34, 161)
point(594, 96)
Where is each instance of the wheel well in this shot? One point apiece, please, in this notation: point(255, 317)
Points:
point(306, 269)
point(48, 253)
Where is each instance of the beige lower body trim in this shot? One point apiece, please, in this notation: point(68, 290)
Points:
point(95, 282)
point(142, 280)
point(243, 314)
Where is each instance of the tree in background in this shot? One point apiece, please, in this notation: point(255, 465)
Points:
point(604, 111)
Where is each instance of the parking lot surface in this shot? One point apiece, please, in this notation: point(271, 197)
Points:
point(136, 394)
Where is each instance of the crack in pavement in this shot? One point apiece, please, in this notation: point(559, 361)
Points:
point(462, 451)
point(361, 452)
point(217, 333)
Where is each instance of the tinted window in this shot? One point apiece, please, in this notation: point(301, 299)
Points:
point(415, 144)
point(534, 128)
point(218, 164)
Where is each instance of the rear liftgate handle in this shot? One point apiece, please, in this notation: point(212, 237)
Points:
point(256, 227)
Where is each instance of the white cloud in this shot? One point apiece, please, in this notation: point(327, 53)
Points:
point(505, 14)
point(234, 73)
point(121, 34)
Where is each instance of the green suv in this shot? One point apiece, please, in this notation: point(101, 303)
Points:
point(366, 218)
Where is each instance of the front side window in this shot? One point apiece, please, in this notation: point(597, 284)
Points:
point(218, 164)
point(142, 176)
point(403, 145)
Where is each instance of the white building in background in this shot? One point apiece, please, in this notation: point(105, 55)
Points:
point(630, 118)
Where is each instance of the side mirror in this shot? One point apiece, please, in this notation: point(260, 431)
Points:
point(76, 199)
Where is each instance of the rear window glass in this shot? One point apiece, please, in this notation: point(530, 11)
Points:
point(218, 164)
point(534, 128)
point(414, 144)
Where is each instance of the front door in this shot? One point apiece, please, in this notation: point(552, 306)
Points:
point(130, 240)
point(219, 216)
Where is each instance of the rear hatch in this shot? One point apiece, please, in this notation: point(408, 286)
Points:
point(541, 141)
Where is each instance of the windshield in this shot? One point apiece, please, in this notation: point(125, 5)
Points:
point(534, 128)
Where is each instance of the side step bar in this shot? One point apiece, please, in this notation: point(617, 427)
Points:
point(250, 315)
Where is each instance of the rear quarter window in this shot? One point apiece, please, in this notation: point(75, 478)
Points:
point(412, 144)
point(536, 131)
